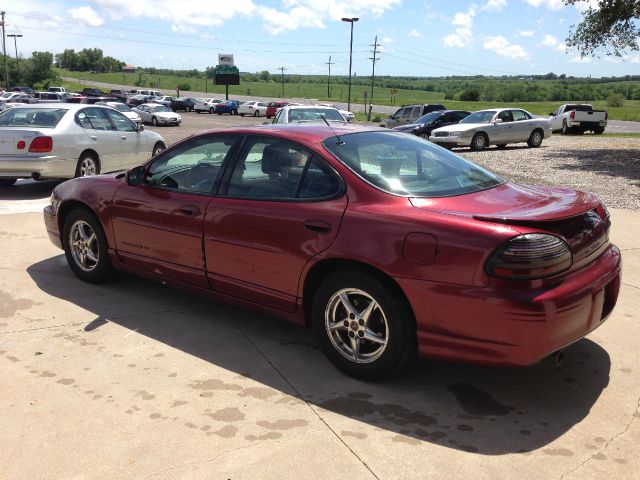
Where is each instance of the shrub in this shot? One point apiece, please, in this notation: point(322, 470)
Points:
point(184, 87)
point(470, 95)
point(615, 100)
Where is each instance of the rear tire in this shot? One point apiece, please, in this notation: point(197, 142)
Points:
point(535, 139)
point(598, 131)
point(86, 248)
point(7, 182)
point(363, 324)
point(255, 114)
point(154, 121)
point(88, 165)
point(211, 111)
point(157, 148)
point(565, 129)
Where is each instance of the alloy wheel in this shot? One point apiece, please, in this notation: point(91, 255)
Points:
point(84, 245)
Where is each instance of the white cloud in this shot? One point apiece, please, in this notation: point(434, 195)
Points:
point(550, 4)
point(86, 15)
point(463, 34)
point(501, 46)
point(495, 5)
point(526, 33)
point(611, 60)
point(635, 59)
point(579, 59)
point(460, 39)
point(414, 33)
point(549, 41)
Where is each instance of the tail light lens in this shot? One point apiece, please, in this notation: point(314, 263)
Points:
point(572, 114)
point(530, 256)
point(41, 145)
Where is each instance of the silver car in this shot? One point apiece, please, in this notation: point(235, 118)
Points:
point(499, 126)
point(157, 114)
point(306, 113)
point(70, 140)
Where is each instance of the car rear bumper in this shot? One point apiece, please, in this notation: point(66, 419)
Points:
point(513, 327)
point(51, 224)
point(49, 166)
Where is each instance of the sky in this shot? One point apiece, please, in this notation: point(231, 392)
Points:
point(415, 37)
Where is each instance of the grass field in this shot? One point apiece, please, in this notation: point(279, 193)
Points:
point(631, 110)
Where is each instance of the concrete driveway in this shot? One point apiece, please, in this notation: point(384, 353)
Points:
point(134, 379)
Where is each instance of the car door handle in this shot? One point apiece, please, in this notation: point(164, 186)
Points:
point(317, 226)
point(93, 137)
point(124, 137)
point(190, 210)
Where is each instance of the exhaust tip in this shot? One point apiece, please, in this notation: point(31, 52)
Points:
point(558, 358)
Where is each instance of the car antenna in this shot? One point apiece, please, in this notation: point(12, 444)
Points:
point(340, 142)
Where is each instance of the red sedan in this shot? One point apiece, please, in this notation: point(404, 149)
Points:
point(387, 245)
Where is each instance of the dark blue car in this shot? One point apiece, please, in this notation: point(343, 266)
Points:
point(229, 106)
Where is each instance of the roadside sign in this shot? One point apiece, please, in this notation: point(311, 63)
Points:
point(225, 59)
point(227, 75)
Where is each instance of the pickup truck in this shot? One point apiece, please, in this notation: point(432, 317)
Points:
point(57, 90)
point(578, 118)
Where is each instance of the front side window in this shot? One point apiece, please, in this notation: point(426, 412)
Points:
point(122, 123)
point(405, 165)
point(276, 169)
point(193, 167)
point(506, 116)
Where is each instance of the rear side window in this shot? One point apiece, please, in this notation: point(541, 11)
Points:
point(94, 118)
point(276, 169)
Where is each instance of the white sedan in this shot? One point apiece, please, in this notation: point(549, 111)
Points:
point(206, 105)
point(123, 109)
point(349, 116)
point(308, 113)
point(499, 126)
point(66, 140)
point(254, 108)
point(157, 114)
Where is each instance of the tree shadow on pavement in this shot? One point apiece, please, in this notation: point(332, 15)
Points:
point(614, 162)
point(491, 411)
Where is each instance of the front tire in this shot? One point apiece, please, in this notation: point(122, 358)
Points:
point(88, 165)
point(363, 325)
point(535, 139)
point(479, 142)
point(154, 121)
point(86, 248)
point(157, 148)
point(211, 111)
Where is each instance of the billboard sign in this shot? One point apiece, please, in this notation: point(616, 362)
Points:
point(227, 75)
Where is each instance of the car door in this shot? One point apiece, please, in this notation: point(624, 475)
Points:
point(103, 138)
point(134, 151)
point(501, 133)
point(281, 206)
point(522, 126)
point(158, 225)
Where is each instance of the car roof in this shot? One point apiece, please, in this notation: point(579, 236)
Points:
point(308, 132)
point(67, 106)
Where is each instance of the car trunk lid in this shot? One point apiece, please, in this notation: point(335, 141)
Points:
point(16, 141)
point(578, 217)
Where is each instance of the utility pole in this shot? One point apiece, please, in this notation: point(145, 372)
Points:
point(329, 77)
point(4, 52)
point(15, 44)
point(351, 20)
point(374, 59)
point(282, 69)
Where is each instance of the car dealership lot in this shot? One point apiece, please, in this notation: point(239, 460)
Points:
point(134, 379)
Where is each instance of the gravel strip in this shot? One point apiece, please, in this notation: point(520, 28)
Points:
point(607, 166)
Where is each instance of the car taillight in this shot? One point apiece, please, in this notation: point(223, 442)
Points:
point(41, 145)
point(572, 114)
point(530, 256)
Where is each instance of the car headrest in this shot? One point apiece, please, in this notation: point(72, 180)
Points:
point(275, 159)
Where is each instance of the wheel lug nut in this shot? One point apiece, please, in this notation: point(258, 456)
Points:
point(352, 316)
point(351, 334)
point(361, 334)
point(361, 322)
point(346, 324)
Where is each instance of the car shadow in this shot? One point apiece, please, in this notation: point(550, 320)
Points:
point(29, 190)
point(614, 162)
point(490, 411)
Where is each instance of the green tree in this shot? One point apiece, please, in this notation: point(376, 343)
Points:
point(612, 27)
point(40, 67)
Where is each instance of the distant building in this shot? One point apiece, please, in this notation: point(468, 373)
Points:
point(128, 68)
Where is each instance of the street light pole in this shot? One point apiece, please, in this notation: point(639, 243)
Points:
point(351, 21)
point(15, 44)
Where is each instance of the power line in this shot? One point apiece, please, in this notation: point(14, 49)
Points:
point(373, 73)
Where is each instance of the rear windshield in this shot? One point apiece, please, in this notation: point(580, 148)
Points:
point(409, 166)
point(312, 114)
point(32, 117)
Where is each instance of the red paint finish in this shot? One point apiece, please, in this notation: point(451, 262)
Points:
point(260, 253)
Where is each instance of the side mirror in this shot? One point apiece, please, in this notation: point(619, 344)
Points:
point(135, 176)
point(497, 121)
point(140, 127)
